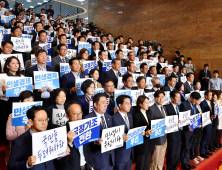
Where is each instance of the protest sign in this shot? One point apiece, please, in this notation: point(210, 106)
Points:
point(49, 39)
point(216, 109)
point(112, 138)
point(82, 45)
point(59, 117)
point(135, 76)
point(27, 36)
point(150, 95)
point(19, 110)
point(121, 92)
point(28, 29)
point(123, 70)
point(206, 119)
point(50, 144)
point(34, 61)
point(120, 83)
point(78, 85)
point(6, 19)
point(135, 137)
point(46, 79)
point(107, 65)
point(195, 121)
point(68, 42)
point(91, 108)
point(187, 96)
point(134, 95)
point(47, 47)
point(183, 79)
point(171, 68)
point(184, 118)
point(64, 68)
point(163, 64)
point(71, 53)
point(202, 95)
point(158, 128)
point(87, 130)
point(136, 50)
point(92, 38)
point(220, 112)
point(149, 83)
point(162, 79)
point(3, 58)
point(148, 62)
point(98, 90)
point(112, 53)
point(125, 53)
point(171, 123)
point(88, 65)
point(21, 44)
point(166, 97)
point(5, 33)
point(16, 85)
point(137, 65)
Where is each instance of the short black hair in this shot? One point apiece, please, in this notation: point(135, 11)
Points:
point(97, 97)
point(195, 82)
point(216, 71)
point(158, 92)
point(115, 59)
point(118, 51)
point(120, 99)
point(152, 67)
point(15, 28)
point(92, 71)
point(26, 94)
point(164, 69)
point(42, 31)
point(120, 44)
point(109, 42)
point(101, 51)
point(95, 43)
point(195, 95)
point(178, 53)
point(129, 64)
point(60, 45)
point(175, 65)
point(35, 25)
point(68, 105)
point(102, 36)
point(126, 76)
point(6, 41)
point(72, 59)
point(160, 56)
point(189, 74)
point(31, 112)
point(142, 65)
point(108, 80)
point(60, 36)
point(40, 51)
point(189, 59)
point(182, 67)
point(86, 84)
point(207, 92)
point(149, 56)
point(173, 93)
point(178, 85)
point(140, 78)
point(55, 93)
point(206, 65)
point(57, 29)
point(130, 38)
point(171, 77)
point(78, 39)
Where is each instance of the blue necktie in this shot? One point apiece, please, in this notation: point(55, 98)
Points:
point(104, 123)
point(194, 109)
point(181, 128)
point(205, 73)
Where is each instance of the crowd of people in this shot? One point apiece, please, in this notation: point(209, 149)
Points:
point(185, 145)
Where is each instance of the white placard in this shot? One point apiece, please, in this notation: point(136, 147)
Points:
point(149, 83)
point(112, 138)
point(171, 123)
point(59, 117)
point(134, 95)
point(220, 112)
point(150, 95)
point(21, 44)
point(49, 144)
point(71, 53)
point(184, 118)
point(183, 79)
point(120, 83)
point(206, 119)
point(166, 97)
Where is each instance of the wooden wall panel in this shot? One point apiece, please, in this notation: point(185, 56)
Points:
point(194, 27)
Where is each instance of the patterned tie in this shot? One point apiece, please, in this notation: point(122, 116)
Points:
point(103, 122)
point(191, 86)
point(126, 121)
point(162, 111)
point(63, 60)
point(117, 75)
point(181, 128)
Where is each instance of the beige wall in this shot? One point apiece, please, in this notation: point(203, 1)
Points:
point(194, 27)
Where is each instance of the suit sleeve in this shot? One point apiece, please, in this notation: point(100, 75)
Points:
point(64, 84)
point(200, 77)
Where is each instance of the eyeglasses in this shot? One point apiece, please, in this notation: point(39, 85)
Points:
point(43, 120)
point(110, 86)
point(77, 114)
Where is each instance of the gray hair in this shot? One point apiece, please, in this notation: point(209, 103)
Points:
point(153, 80)
point(2, 2)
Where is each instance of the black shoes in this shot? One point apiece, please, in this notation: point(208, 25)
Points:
point(192, 166)
point(185, 167)
point(204, 156)
point(208, 153)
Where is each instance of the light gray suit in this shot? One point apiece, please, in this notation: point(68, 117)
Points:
point(56, 62)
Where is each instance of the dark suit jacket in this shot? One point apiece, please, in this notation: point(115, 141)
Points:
point(111, 105)
point(85, 105)
point(101, 46)
point(21, 150)
point(56, 63)
point(72, 161)
point(177, 59)
point(133, 88)
point(101, 160)
point(166, 88)
point(89, 41)
point(68, 82)
point(158, 67)
point(176, 135)
point(149, 90)
point(158, 115)
point(176, 75)
point(122, 154)
point(34, 34)
point(73, 43)
point(54, 43)
point(54, 51)
point(49, 113)
point(35, 44)
point(187, 88)
point(138, 121)
point(93, 54)
point(204, 82)
point(111, 75)
point(30, 73)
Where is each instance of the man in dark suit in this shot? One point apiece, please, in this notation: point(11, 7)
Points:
point(38, 27)
point(106, 160)
point(21, 153)
point(175, 72)
point(114, 73)
point(95, 46)
point(131, 68)
point(55, 25)
point(174, 139)
point(188, 85)
point(76, 33)
point(152, 72)
point(59, 31)
point(128, 82)
point(160, 144)
point(68, 81)
point(79, 158)
point(102, 57)
point(87, 39)
point(123, 116)
point(42, 38)
point(187, 133)
point(207, 105)
point(204, 77)
point(60, 58)
point(144, 69)
point(103, 42)
point(62, 40)
point(171, 84)
point(159, 66)
point(119, 55)
point(166, 72)
point(41, 94)
point(141, 84)
point(176, 59)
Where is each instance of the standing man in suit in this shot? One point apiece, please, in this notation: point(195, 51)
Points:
point(128, 82)
point(204, 77)
point(119, 55)
point(187, 133)
point(160, 144)
point(114, 73)
point(42, 38)
point(123, 116)
point(68, 82)
point(38, 27)
point(183, 71)
point(62, 40)
point(76, 33)
point(171, 84)
point(59, 31)
point(176, 59)
point(174, 139)
point(103, 42)
point(95, 46)
point(166, 72)
point(106, 160)
point(188, 85)
point(206, 105)
point(41, 94)
point(21, 153)
point(60, 58)
point(175, 72)
point(79, 158)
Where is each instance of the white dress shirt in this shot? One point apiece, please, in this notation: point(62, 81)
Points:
point(145, 116)
point(99, 117)
point(123, 116)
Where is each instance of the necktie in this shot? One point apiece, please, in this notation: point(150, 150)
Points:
point(181, 128)
point(126, 121)
point(63, 60)
point(194, 109)
point(162, 111)
point(205, 73)
point(145, 76)
point(117, 75)
point(103, 122)
point(191, 86)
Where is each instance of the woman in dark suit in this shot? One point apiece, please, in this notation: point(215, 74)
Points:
point(58, 98)
point(88, 88)
point(180, 87)
point(143, 117)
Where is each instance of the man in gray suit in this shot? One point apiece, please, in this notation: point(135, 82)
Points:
point(160, 144)
point(60, 58)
